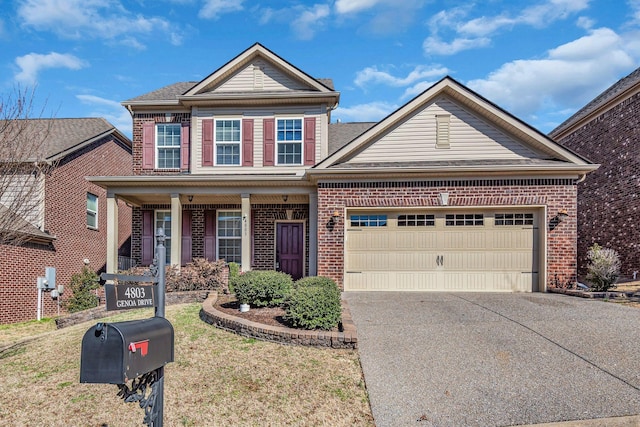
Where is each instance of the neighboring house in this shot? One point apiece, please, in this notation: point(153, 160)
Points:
point(449, 192)
point(70, 224)
point(607, 131)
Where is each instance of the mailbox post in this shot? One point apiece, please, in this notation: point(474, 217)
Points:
point(136, 350)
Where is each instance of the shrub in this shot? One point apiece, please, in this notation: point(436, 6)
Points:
point(82, 286)
point(199, 274)
point(314, 304)
point(262, 288)
point(234, 272)
point(603, 269)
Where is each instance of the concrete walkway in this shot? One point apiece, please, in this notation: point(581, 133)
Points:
point(436, 359)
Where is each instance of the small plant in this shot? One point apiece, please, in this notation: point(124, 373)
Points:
point(234, 272)
point(82, 286)
point(603, 269)
point(314, 304)
point(262, 288)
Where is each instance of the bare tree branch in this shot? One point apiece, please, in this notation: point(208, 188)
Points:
point(23, 167)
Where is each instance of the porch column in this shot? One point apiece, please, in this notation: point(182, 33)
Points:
point(246, 232)
point(112, 233)
point(313, 234)
point(176, 229)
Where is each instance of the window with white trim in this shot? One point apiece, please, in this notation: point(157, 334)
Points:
point(168, 145)
point(227, 141)
point(416, 220)
point(459, 220)
point(289, 141)
point(92, 211)
point(163, 219)
point(502, 219)
point(229, 237)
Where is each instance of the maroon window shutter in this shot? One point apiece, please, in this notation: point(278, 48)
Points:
point(148, 145)
point(269, 146)
point(309, 140)
point(207, 142)
point(247, 142)
point(147, 238)
point(186, 256)
point(210, 235)
point(185, 142)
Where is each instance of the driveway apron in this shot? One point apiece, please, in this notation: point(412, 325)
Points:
point(472, 359)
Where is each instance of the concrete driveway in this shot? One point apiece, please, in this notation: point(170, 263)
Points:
point(445, 359)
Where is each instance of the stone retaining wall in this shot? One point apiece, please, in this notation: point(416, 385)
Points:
point(347, 338)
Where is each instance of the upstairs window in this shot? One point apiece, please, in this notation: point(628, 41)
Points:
point(289, 141)
point(92, 211)
point(227, 142)
point(168, 146)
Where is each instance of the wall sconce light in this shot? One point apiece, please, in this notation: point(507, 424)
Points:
point(190, 198)
point(335, 216)
point(285, 198)
point(562, 215)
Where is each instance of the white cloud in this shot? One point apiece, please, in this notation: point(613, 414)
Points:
point(371, 112)
point(433, 45)
point(353, 6)
point(77, 19)
point(212, 9)
point(569, 76)
point(417, 89)
point(309, 20)
point(374, 75)
point(115, 113)
point(32, 63)
point(474, 33)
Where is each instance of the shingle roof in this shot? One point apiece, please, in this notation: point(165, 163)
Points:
point(609, 94)
point(65, 134)
point(340, 134)
point(20, 225)
point(166, 93)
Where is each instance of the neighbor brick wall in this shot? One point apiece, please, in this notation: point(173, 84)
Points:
point(138, 120)
point(609, 198)
point(65, 218)
point(555, 194)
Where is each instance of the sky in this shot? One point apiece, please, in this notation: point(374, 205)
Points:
point(540, 60)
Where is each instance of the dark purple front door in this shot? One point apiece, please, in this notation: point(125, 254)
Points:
point(290, 248)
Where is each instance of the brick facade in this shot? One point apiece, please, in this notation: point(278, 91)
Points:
point(264, 219)
point(609, 198)
point(554, 194)
point(65, 218)
point(138, 121)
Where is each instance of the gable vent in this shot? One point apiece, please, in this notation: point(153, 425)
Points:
point(258, 78)
point(442, 130)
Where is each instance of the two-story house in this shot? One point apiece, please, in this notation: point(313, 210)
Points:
point(449, 192)
point(65, 222)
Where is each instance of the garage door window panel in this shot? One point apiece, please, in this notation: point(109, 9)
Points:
point(416, 220)
point(368, 220)
point(505, 219)
point(464, 220)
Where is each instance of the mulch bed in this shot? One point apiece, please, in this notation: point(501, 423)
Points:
point(273, 316)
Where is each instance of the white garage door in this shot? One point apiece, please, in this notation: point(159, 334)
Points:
point(442, 251)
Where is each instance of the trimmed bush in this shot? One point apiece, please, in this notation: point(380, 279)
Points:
point(234, 272)
point(314, 304)
point(603, 269)
point(262, 288)
point(82, 286)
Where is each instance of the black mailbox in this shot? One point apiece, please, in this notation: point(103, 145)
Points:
point(114, 353)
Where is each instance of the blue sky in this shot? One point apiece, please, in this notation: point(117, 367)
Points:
point(541, 60)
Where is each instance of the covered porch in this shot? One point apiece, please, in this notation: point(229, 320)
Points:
point(264, 224)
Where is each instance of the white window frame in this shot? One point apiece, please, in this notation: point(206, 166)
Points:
point(92, 212)
point(279, 142)
point(216, 143)
point(167, 147)
point(218, 237)
point(167, 233)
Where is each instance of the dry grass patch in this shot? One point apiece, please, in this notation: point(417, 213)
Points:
point(218, 378)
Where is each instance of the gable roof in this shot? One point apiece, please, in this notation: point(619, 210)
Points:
point(64, 136)
point(552, 155)
point(614, 95)
point(204, 92)
point(342, 133)
point(13, 223)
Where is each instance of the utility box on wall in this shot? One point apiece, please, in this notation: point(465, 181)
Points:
point(113, 353)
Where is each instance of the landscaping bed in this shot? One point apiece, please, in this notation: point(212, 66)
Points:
point(627, 293)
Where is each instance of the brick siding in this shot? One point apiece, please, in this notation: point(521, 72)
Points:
point(65, 218)
point(608, 199)
point(138, 121)
point(555, 194)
